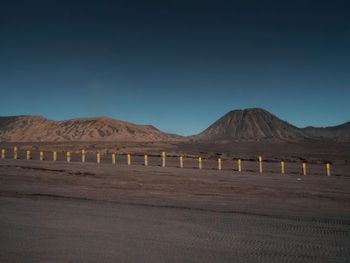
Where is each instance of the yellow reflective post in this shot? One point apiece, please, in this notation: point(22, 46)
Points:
point(163, 159)
point(28, 154)
point(199, 162)
point(41, 155)
point(15, 152)
point(181, 161)
point(68, 157)
point(54, 156)
point(239, 165)
point(328, 169)
point(98, 157)
point(2, 153)
point(129, 159)
point(304, 168)
point(219, 163)
point(146, 160)
point(260, 164)
point(113, 158)
point(83, 156)
point(282, 167)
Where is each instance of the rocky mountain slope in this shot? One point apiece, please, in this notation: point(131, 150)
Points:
point(250, 124)
point(37, 128)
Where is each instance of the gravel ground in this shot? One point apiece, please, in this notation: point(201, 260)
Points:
point(73, 212)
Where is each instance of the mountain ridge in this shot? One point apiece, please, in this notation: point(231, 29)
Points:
point(251, 124)
point(37, 128)
point(341, 131)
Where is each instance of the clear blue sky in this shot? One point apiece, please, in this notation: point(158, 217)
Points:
point(178, 65)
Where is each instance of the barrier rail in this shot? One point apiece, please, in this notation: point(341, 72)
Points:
point(219, 164)
point(260, 165)
point(32, 155)
point(113, 158)
point(239, 164)
point(129, 159)
point(163, 159)
point(146, 160)
point(83, 156)
point(98, 157)
point(282, 167)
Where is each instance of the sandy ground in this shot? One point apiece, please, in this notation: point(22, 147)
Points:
point(74, 212)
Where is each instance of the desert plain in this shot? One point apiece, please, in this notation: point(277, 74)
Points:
point(89, 212)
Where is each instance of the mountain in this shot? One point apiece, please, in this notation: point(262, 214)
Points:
point(36, 128)
point(253, 124)
point(339, 132)
point(250, 124)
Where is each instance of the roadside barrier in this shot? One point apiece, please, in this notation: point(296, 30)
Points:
point(282, 167)
point(83, 156)
point(146, 160)
point(239, 165)
point(328, 169)
point(113, 158)
point(15, 152)
point(219, 163)
point(163, 159)
point(98, 157)
point(168, 161)
point(304, 168)
point(260, 164)
point(181, 161)
point(129, 159)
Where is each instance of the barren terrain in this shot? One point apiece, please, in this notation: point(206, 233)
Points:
point(55, 212)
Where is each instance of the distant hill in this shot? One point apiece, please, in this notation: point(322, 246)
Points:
point(250, 124)
point(339, 132)
point(36, 128)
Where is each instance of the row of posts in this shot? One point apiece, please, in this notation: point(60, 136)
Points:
point(163, 158)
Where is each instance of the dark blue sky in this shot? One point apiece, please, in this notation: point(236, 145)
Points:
point(178, 65)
